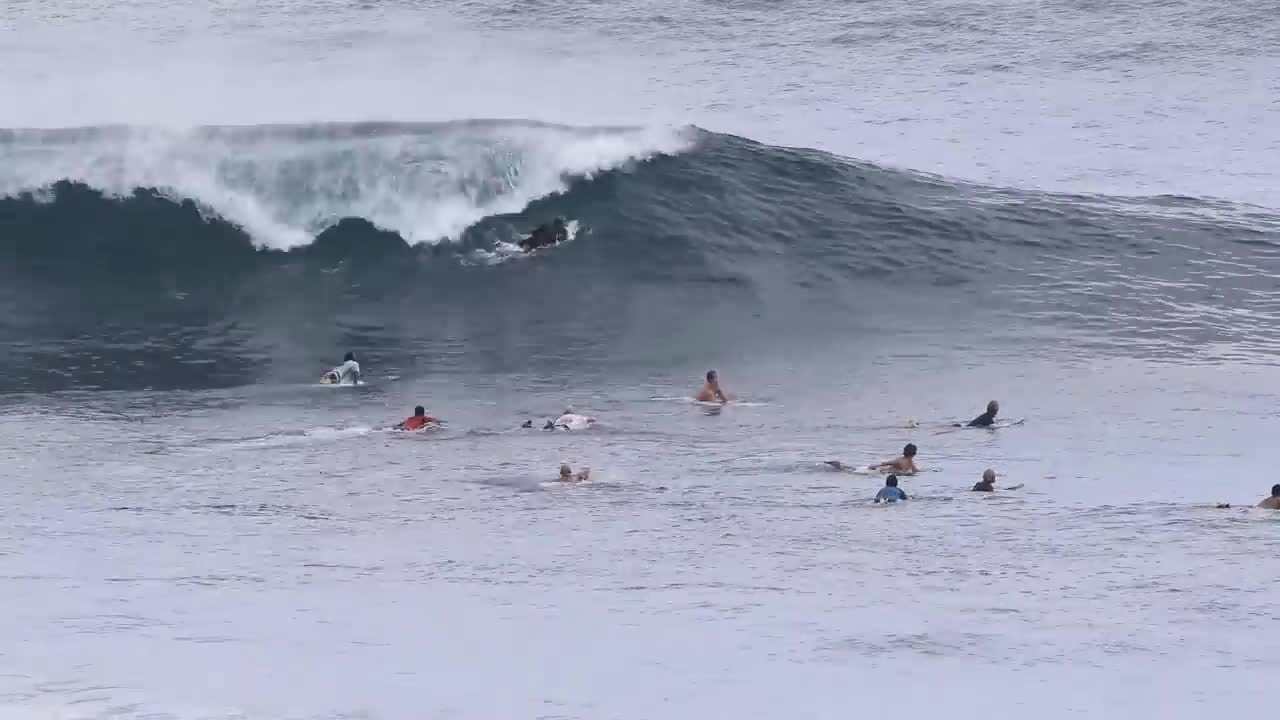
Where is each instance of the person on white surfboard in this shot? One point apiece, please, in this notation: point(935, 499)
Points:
point(711, 391)
point(905, 465)
point(988, 418)
point(569, 420)
point(348, 373)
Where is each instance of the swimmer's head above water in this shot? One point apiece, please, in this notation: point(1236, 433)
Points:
point(349, 357)
point(1275, 490)
point(909, 451)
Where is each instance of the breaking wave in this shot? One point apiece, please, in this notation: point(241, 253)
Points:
point(219, 256)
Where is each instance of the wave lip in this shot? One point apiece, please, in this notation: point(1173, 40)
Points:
point(284, 185)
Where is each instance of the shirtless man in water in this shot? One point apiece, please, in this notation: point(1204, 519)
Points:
point(711, 391)
point(905, 465)
point(1273, 502)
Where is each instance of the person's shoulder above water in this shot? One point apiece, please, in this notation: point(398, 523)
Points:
point(987, 483)
point(711, 391)
point(987, 418)
point(568, 475)
point(890, 493)
point(418, 421)
point(1273, 502)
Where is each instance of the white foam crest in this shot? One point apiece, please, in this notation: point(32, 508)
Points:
point(285, 185)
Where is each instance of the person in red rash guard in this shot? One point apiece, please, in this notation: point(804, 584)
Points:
point(419, 420)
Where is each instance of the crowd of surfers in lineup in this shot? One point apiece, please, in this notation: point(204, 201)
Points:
point(348, 373)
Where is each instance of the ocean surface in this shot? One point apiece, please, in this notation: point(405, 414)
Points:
point(870, 218)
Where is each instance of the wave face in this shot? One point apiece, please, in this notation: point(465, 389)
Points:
point(222, 256)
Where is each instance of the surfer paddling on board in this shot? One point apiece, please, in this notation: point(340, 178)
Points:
point(418, 421)
point(711, 391)
point(988, 418)
point(568, 475)
point(988, 483)
point(1273, 502)
point(905, 465)
point(348, 373)
point(890, 493)
point(569, 420)
point(546, 235)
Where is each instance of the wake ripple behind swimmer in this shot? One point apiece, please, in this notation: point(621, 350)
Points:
point(521, 484)
point(286, 439)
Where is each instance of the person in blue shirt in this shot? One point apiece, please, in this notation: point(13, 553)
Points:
point(890, 493)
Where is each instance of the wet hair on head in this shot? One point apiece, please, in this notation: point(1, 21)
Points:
point(1275, 490)
point(891, 481)
point(993, 406)
point(989, 475)
point(349, 357)
point(711, 375)
point(419, 411)
point(909, 450)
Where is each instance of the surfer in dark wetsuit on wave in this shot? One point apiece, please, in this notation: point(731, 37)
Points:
point(546, 235)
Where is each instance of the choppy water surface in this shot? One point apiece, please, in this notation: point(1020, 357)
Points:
point(213, 555)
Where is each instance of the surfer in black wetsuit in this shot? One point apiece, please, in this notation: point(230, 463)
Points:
point(988, 418)
point(546, 235)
